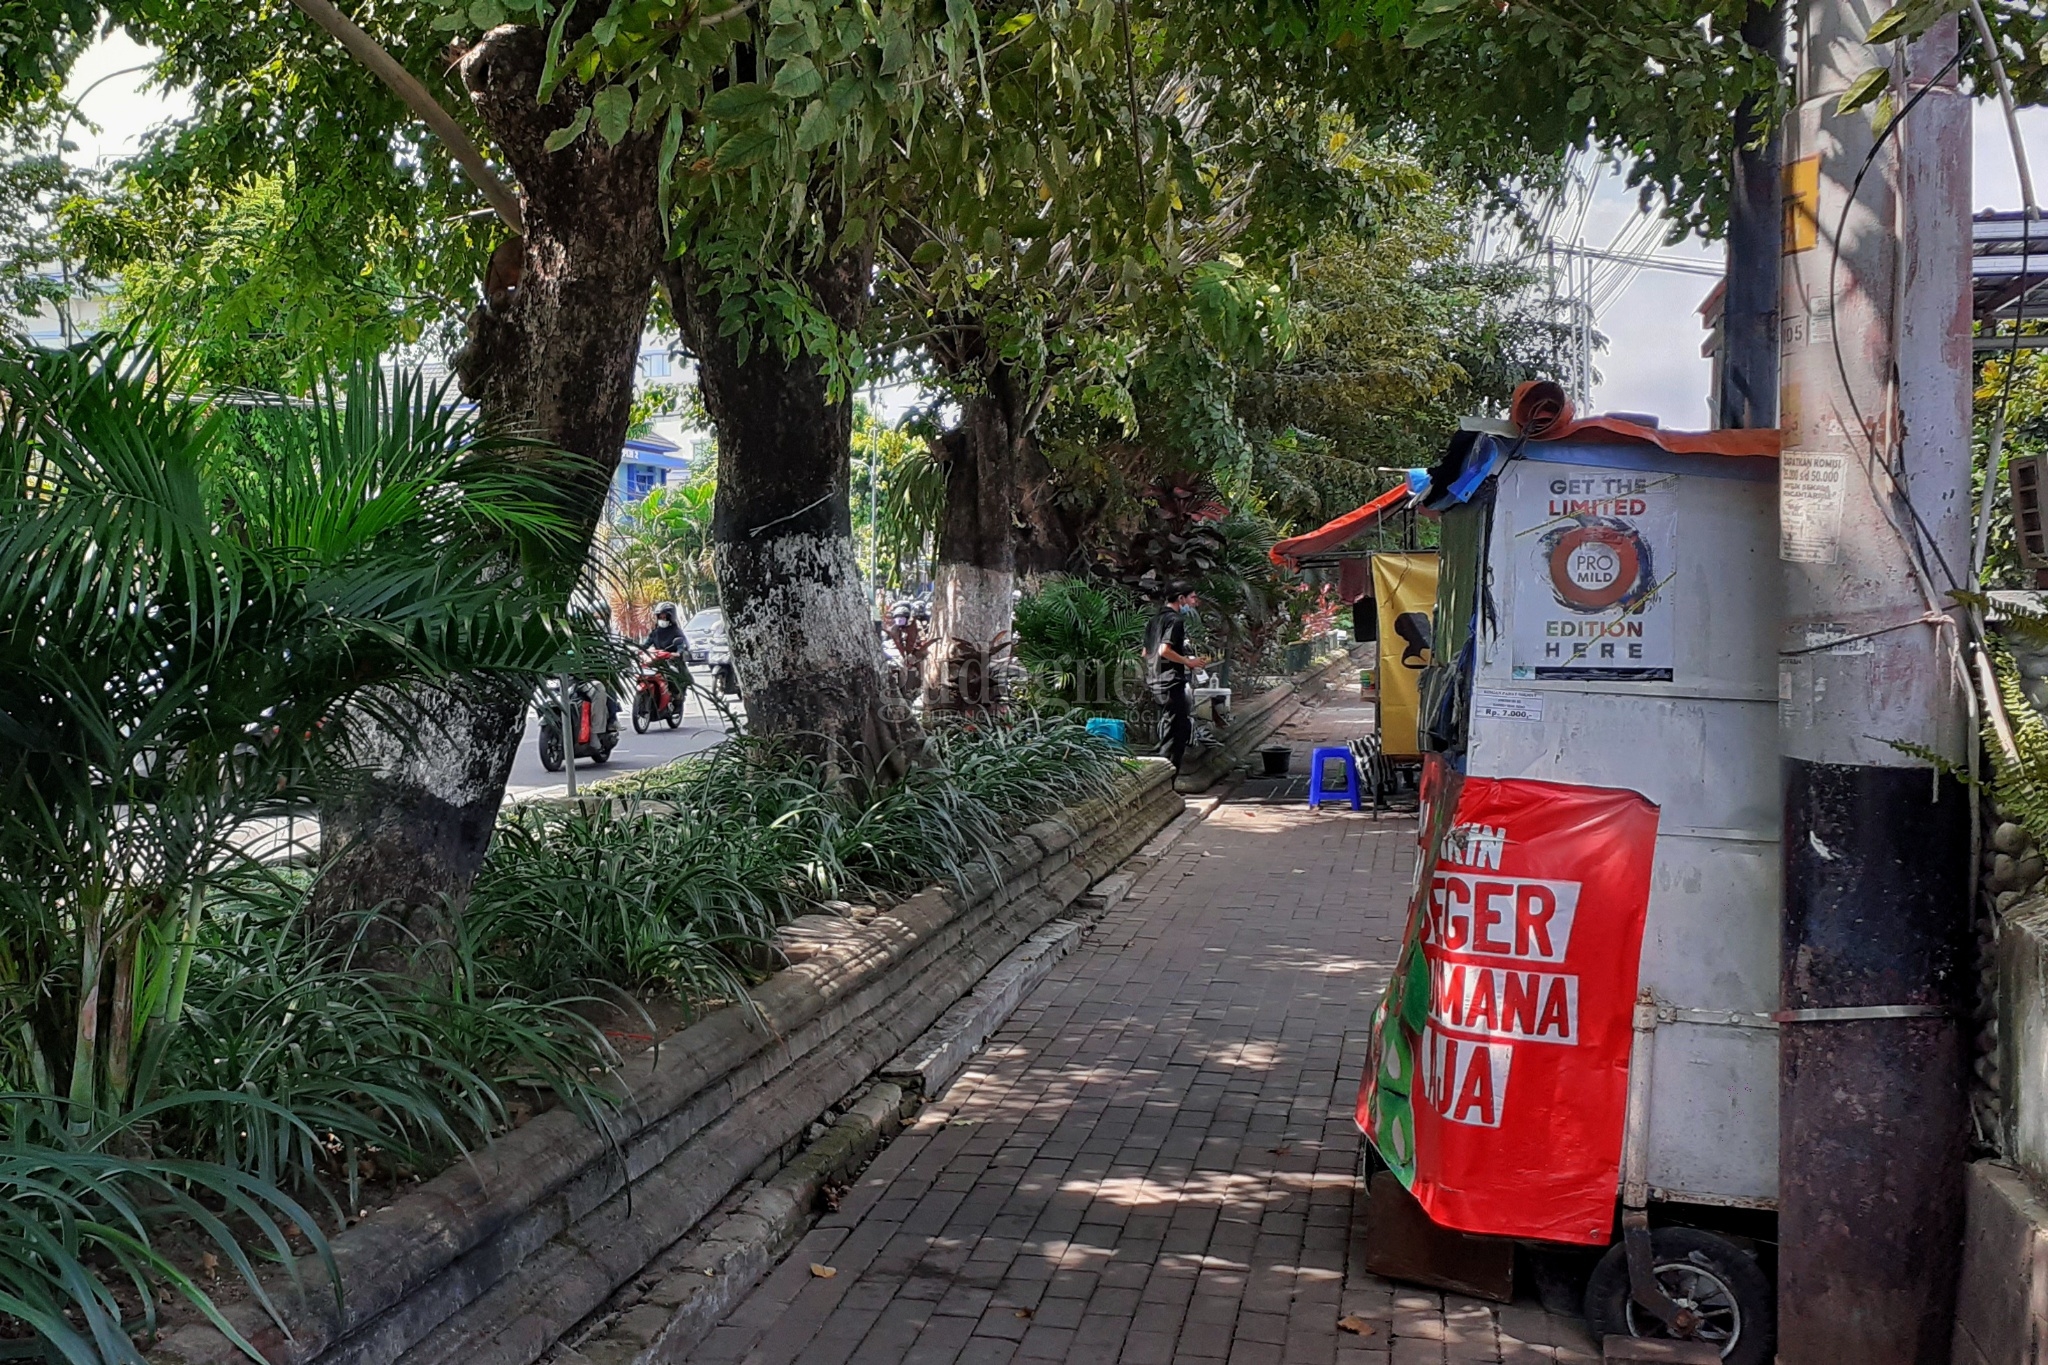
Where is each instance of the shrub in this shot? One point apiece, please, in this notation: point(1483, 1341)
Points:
point(1080, 644)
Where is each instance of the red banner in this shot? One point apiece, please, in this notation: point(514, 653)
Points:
point(1497, 1084)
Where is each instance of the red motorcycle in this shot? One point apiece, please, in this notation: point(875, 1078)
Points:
point(655, 695)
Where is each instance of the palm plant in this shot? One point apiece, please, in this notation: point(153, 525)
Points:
point(1079, 643)
point(191, 634)
point(661, 546)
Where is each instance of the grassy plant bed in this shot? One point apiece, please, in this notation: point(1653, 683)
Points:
point(304, 1088)
point(495, 1258)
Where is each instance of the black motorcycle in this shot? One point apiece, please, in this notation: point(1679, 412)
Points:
point(593, 717)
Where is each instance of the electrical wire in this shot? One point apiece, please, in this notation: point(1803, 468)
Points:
point(1917, 540)
point(1922, 540)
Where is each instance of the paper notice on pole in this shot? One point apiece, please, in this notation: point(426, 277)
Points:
point(1491, 704)
point(1811, 488)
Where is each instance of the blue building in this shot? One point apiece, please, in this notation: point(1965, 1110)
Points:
point(647, 463)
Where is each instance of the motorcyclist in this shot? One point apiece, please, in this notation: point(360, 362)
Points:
point(667, 636)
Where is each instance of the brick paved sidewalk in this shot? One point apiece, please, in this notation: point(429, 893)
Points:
point(1154, 1160)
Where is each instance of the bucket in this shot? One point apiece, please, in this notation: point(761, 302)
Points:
point(1108, 729)
point(1276, 757)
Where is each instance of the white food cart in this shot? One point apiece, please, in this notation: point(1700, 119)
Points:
point(1606, 616)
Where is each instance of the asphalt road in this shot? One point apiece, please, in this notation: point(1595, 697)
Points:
point(702, 727)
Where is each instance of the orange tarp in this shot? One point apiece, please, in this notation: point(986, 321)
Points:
point(1289, 552)
point(1543, 413)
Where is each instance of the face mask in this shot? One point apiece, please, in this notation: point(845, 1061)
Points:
point(1188, 611)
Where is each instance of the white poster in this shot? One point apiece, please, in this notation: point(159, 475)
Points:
point(1811, 486)
point(1593, 557)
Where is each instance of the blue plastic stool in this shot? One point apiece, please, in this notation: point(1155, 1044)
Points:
point(1107, 728)
point(1332, 753)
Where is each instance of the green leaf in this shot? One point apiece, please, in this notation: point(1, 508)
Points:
point(931, 253)
point(1428, 28)
point(486, 13)
point(843, 94)
point(743, 149)
point(614, 109)
point(550, 67)
point(1864, 89)
point(562, 137)
point(791, 41)
point(818, 126)
point(1016, 23)
point(664, 189)
point(739, 103)
point(798, 79)
point(1890, 23)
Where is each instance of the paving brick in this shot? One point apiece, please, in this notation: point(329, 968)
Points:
point(1154, 1156)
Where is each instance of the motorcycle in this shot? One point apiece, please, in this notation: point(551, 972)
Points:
point(593, 716)
point(655, 694)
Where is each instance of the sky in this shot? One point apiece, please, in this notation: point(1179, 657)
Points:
point(1652, 362)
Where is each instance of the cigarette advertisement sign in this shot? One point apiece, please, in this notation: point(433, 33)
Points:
point(1592, 553)
point(1404, 589)
point(1496, 1086)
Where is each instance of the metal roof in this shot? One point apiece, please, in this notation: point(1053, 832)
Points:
point(2008, 276)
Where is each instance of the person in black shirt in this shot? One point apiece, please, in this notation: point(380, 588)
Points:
point(668, 637)
point(1167, 668)
point(666, 633)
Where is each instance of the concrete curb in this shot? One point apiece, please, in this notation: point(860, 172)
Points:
point(693, 1288)
point(1107, 893)
point(493, 1260)
point(928, 1065)
point(695, 1285)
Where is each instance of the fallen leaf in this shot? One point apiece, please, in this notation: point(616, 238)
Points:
point(823, 1272)
point(1355, 1325)
point(1022, 1312)
point(1282, 1151)
point(1297, 870)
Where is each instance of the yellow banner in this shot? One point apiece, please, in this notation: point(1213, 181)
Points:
point(1404, 591)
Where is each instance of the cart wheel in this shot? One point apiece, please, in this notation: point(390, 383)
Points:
point(1708, 1274)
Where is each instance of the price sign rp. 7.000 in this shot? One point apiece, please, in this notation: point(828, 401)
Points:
point(1592, 556)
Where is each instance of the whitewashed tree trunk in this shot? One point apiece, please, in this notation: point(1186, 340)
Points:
point(807, 650)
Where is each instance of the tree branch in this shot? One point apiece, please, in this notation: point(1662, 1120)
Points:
point(421, 101)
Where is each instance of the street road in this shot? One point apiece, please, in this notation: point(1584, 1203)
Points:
point(702, 727)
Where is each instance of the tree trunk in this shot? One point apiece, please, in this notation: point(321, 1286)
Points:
point(796, 604)
point(976, 571)
point(552, 351)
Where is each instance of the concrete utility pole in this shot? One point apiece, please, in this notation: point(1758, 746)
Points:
point(1749, 307)
point(1874, 532)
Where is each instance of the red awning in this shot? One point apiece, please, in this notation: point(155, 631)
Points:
point(1289, 553)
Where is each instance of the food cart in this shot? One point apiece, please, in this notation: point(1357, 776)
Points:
point(1605, 618)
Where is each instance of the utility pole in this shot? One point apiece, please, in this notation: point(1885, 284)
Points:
point(1749, 305)
point(1874, 531)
